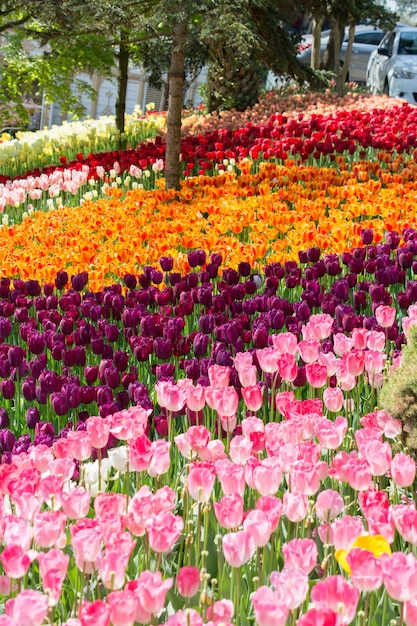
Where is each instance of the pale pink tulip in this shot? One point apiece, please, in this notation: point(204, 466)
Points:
point(366, 571)
point(336, 594)
point(403, 470)
point(385, 315)
point(269, 608)
point(400, 575)
point(229, 511)
point(333, 399)
point(321, 617)
point(35, 601)
point(292, 584)
point(123, 605)
point(300, 554)
point(329, 504)
point(163, 531)
point(231, 476)
point(238, 548)
point(285, 343)
point(200, 480)
point(295, 506)
point(257, 525)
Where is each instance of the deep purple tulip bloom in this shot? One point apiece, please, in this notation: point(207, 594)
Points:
point(36, 342)
point(163, 348)
point(130, 281)
point(32, 417)
point(7, 440)
point(59, 403)
point(7, 388)
point(367, 236)
point(166, 263)
point(15, 355)
point(4, 418)
point(5, 327)
point(61, 279)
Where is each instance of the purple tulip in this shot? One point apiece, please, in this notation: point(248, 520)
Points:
point(32, 417)
point(4, 418)
point(7, 440)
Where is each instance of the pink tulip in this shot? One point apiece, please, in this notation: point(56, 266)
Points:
point(366, 571)
point(241, 448)
point(345, 530)
point(376, 340)
point(53, 567)
point(221, 611)
point(248, 376)
point(140, 453)
point(242, 360)
point(238, 548)
point(305, 478)
point(109, 503)
point(229, 511)
point(99, 431)
point(269, 608)
point(374, 361)
point(333, 399)
point(287, 367)
point(267, 476)
point(295, 506)
point(95, 613)
point(122, 607)
point(86, 542)
point(336, 594)
point(360, 338)
point(26, 506)
point(163, 531)
point(410, 612)
point(200, 480)
point(283, 401)
point(257, 525)
point(355, 362)
point(316, 374)
point(403, 470)
point(342, 344)
point(358, 473)
point(161, 460)
point(253, 397)
point(268, 359)
point(309, 350)
point(28, 608)
point(405, 520)
point(196, 398)
point(79, 444)
point(170, 396)
point(224, 400)
point(76, 503)
point(378, 454)
point(385, 315)
point(219, 375)
point(321, 617)
point(292, 584)
point(111, 565)
point(231, 476)
point(329, 504)
point(285, 343)
point(16, 561)
point(17, 531)
point(188, 581)
point(318, 327)
point(151, 591)
point(300, 554)
point(272, 507)
point(215, 451)
point(400, 576)
point(331, 434)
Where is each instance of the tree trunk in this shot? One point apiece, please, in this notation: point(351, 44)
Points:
point(316, 49)
point(176, 81)
point(348, 55)
point(122, 78)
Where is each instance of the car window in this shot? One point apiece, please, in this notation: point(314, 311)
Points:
point(407, 43)
point(372, 39)
point(388, 42)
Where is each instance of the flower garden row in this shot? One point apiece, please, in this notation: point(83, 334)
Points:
point(191, 424)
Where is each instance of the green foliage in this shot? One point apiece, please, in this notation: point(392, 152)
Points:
point(399, 394)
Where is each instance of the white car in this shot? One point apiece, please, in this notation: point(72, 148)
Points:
point(392, 67)
point(366, 40)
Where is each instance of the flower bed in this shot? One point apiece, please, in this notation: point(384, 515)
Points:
point(192, 423)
